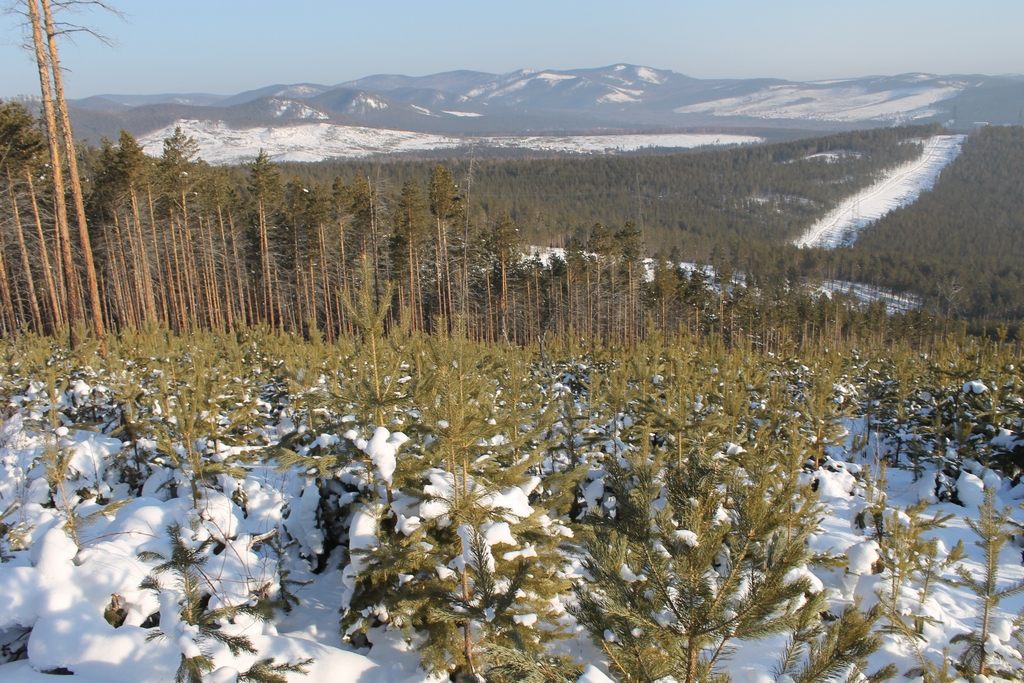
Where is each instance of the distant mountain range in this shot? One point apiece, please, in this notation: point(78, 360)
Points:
point(621, 97)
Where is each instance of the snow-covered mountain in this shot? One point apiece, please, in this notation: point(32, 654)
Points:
point(642, 93)
point(616, 98)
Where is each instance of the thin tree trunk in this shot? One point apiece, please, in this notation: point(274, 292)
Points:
point(76, 185)
point(242, 284)
point(209, 275)
point(142, 311)
point(297, 298)
point(161, 281)
point(344, 275)
point(10, 318)
point(33, 302)
point(73, 302)
point(417, 311)
point(268, 308)
point(147, 276)
point(125, 297)
point(325, 276)
point(373, 242)
point(117, 316)
point(412, 285)
point(229, 297)
point(56, 315)
point(175, 265)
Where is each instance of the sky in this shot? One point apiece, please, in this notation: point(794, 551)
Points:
point(229, 46)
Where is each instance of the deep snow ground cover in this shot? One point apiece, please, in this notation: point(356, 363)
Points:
point(896, 188)
point(214, 502)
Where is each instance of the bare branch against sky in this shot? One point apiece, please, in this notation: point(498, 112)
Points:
point(63, 11)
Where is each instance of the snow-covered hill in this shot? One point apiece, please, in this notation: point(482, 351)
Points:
point(840, 101)
point(639, 88)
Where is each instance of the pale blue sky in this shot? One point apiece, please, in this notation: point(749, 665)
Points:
point(227, 46)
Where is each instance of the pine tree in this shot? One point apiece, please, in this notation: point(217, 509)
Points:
point(984, 653)
point(447, 207)
point(505, 245)
point(412, 232)
point(186, 617)
point(204, 412)
point(695, 556)
point(266, 190)
point(437, 568)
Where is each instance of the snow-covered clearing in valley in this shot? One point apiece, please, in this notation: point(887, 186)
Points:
point(591, 144)
point(894, 302)
point(220, 144)
point(896, 188)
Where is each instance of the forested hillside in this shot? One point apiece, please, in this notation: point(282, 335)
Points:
point(964, 241)
point(192, 246)
point(690, 201)
point(960, 245)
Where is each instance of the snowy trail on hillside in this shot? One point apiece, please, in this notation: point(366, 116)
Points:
point(897, 188)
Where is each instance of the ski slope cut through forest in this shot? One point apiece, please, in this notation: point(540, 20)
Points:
point(896, 188)
point(220, 144)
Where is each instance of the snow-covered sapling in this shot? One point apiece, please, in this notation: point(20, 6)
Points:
point(986, 650)
point(185, 615)
point(699, 555)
